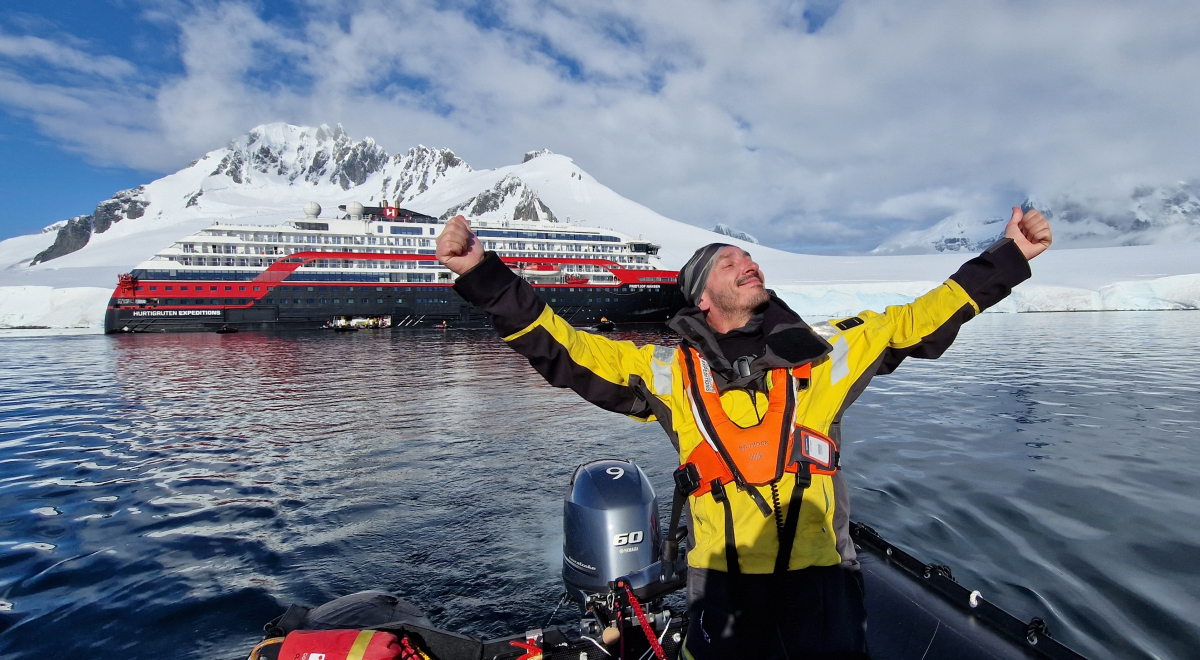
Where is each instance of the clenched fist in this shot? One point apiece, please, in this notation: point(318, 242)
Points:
point(457, 246)
point(1029, 230)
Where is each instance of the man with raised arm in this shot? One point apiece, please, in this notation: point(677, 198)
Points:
point(752, 399)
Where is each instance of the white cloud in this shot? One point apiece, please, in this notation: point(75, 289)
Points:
point(893, 115)
point(61, 55)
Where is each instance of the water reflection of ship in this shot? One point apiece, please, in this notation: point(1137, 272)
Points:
point(376, 267)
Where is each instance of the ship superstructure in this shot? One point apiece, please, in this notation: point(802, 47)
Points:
point(376, 266)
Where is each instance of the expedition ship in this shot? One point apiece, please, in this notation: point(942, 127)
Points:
point(375, 267)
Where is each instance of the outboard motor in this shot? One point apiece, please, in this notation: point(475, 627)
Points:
point(610, 526)
point(611, 540)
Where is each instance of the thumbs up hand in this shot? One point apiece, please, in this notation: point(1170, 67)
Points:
point(457, 246)
point(1030, 231)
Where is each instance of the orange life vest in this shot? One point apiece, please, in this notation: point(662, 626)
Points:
point(756, 455)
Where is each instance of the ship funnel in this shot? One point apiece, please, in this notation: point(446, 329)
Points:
point(312, 209)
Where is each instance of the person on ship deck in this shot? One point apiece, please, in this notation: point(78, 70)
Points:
point(752, 399)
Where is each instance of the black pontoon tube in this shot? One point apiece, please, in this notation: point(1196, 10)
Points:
point(918, 610)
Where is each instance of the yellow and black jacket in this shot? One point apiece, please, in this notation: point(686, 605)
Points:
point(647, 383)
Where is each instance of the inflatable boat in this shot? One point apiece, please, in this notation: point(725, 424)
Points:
point(619, 583)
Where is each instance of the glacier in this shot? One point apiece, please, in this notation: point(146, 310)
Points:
point(265, 177)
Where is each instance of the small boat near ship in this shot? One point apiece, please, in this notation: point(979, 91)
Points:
point(379, 264)
point(915, 610)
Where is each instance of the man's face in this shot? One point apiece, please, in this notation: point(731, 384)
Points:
point(735, 284)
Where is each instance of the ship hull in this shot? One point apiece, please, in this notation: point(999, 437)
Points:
point(306, 307)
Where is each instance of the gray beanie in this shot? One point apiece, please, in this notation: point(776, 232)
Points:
point(694, 273)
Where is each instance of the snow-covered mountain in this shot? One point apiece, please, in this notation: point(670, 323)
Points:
point(1161, 215)
point(268, 165)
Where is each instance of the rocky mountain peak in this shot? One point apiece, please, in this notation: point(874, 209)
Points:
point(508, 199)
point(412, 173)
point(530, 155)
point(726, 230)
point(285, 153)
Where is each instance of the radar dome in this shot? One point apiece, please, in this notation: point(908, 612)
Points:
point(355, 209)
point(312, 209)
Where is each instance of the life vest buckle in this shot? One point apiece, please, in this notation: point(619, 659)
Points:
point(718, 490)
point(687, 479)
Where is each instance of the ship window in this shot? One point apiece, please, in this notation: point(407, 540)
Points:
point(554, 300)
point(170, 302)
point(336, 300)
point(216, 302)
point(310, 288)
point(229, 288)
point(350, 289)
point(255, 288)
point(154, 288)
point(283, 301)
point(310, 301)
point(296, 301)
point(170, 288)
point(320, 288)
point(322, 301)
point(183, 288)
point(240, 288)
point(270, 288)
point(241, 301)
point(379, 300)
point(212, 288)
point(364, 300)
point(270, 301)
point(379, 288)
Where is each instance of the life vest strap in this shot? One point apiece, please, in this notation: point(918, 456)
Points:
point(787, 535)
point(733, 567)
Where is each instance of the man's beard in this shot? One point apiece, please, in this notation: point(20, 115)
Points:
point(731, 304)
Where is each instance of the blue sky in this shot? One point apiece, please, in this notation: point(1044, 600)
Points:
point(42, 182)
point(817, 125)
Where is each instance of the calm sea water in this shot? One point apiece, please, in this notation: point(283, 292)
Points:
point(164, 496)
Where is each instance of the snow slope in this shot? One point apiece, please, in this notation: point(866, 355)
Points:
point(266, 176)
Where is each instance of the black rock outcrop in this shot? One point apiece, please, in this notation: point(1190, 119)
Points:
point(72, 236)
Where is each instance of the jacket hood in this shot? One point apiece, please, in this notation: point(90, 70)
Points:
point(787, 342)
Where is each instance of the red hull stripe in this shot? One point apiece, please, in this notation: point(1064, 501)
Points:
point(287, 266)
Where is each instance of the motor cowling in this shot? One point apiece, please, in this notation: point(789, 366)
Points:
point(610, 526)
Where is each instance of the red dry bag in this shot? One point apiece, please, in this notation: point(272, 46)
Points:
point(340, 645)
